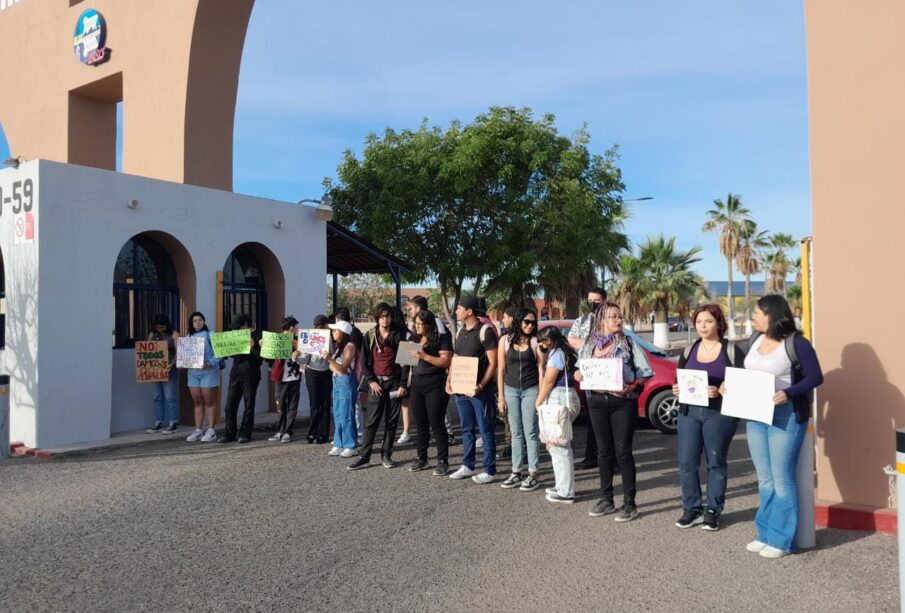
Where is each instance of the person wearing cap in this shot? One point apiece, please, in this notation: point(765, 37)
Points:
point(319, 383)
point(387, 384)
point(341, 361)
point(361, 397)
point(244, 377)
point(288, 386)
point(476, 340)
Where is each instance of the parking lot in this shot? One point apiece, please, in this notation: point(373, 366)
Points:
point(269, 527)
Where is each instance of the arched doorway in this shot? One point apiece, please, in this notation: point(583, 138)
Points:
point(153, 274)
point(253, 284)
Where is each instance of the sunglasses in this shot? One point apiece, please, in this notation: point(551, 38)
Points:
point(529, 322)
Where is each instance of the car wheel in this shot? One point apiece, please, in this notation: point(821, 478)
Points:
point(663, 411)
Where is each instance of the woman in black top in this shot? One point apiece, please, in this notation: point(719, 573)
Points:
point(519, 367)
point(427, 400)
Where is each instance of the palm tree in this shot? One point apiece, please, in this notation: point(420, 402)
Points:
point(751, 242)
point(778, 262)
point(668, 279)
point(627, 291)
point(728, 219)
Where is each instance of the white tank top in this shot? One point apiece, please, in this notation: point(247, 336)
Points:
point(776, 362)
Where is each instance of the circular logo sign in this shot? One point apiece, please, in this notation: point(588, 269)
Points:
point(90, 38)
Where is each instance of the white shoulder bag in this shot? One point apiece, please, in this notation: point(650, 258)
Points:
point(555, 420)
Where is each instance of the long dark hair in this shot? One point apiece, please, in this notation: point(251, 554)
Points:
point(162, 320)
point(558, 341)
point(341, 343)
point(516, 334)
point(192, 329)
point(782, 322)
point(429, 321)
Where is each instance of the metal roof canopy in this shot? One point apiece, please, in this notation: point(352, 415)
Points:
point(348, 253)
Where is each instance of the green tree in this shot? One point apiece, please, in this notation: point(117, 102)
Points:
point(628, 288)
point(728, 219)
point(360, 293)
point(748, 260)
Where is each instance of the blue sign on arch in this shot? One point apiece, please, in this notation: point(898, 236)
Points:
point(90, 38)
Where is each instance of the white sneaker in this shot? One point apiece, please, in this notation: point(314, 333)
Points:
point(755, 546)
point(462, 473)
point(772, 552)
point(404, 438)
point(287, 438)
point(479, 442)
point(348, 453)
point(335, 451)
point(196, 434)
point(483, 478)
point(209, 436)
point(550, 490)
point(275, 438)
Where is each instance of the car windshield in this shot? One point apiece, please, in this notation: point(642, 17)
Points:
point(650, 348)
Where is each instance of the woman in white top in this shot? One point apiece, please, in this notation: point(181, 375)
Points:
point(345, 388)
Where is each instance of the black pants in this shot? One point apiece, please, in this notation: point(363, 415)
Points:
point(590, 443)
point(428, 402)
point(614, 426)
point(241, 388)
point(288, 394)
point(320, 389)
point(384, 409)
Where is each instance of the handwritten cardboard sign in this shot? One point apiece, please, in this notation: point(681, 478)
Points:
point(463, 374)
point(190, 352)
point(693, 387)
point(152, 361)
point(314, 341)
point(276, 346)
point(601, 374)
point(234, 342)
point(404, 355)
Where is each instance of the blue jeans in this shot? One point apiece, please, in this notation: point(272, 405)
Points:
point(523, 426)
point(345, 393)
point(166, 399)
point(477, 411)
point(774, 451)
point(708, 431)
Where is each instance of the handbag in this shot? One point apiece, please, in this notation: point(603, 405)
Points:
point(555, 420)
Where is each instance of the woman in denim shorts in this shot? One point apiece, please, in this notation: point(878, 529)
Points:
point(203, 382)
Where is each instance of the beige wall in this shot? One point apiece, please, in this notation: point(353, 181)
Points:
point(856, 62)
point(175, 65)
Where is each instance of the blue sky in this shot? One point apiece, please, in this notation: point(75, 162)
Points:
point(703, 98)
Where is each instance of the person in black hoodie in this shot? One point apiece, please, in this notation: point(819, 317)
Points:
point(244, 378)
point(387, 384)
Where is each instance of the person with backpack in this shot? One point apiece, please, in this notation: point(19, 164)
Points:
point(519, 371)
point(614, 413)
point(203, 383)
point(555, 389)
point(703, 429)
point(387, 384)
point(244, 378)
point(779, 349)
point(476, 340)
point(287, 377)
point(166, 393)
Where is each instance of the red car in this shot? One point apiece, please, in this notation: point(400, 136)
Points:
point(656, 402)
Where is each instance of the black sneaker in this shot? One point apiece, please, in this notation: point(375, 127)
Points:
point(628, 512)
point(604, 506)
point(514, 480)
point(504, 453)
point(388, 462)
point(244, 439)
point(418, 466)
point(360, 462)
point(585, 464)
point(711, 521)
point(451, 440)
point(169, 429)
point(689, 519)
point(225, 439)
point(442, 470)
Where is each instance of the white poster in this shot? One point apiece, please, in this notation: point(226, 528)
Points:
point(693, 387)
point(749, 395)
point(601, 374)
point(405, 354)
point(190, 352)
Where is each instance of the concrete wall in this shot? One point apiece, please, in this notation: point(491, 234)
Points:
point(856, 58)
point(84, 223)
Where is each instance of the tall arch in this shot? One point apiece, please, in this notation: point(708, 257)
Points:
point(254, 284)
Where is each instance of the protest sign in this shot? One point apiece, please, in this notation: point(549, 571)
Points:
point(749, 395)
point(463, 374)
point(314, 341)
point(404, 355)
point(601, 374)
point(235, 342)
point(190, 352)
point(152, 361)
point(276, 346)
point(693, 387)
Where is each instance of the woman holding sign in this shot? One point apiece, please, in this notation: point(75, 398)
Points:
point(166, 394)
point(775, 447)
point(203, 382)
point(702, 428)
point(613, 389)
point(345, 389)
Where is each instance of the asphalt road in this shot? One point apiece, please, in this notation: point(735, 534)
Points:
point(270, 527)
